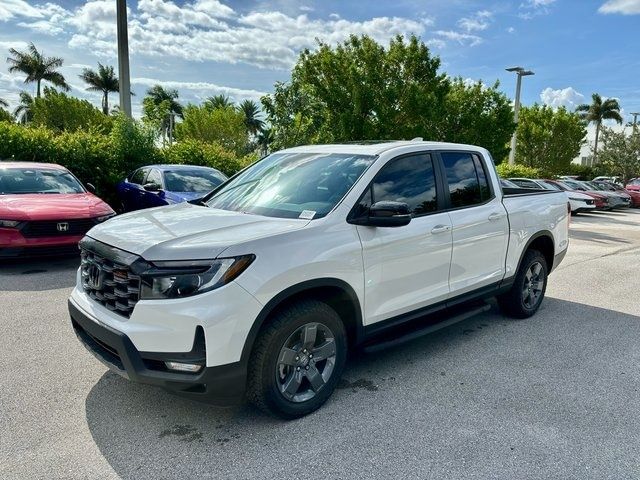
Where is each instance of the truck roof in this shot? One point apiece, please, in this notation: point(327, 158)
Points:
point(376, 148)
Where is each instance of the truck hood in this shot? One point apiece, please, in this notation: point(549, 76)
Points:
point(59, 206)
point(187, 232)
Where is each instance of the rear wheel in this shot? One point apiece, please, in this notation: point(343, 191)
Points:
point(526, 293)
point(297, 360)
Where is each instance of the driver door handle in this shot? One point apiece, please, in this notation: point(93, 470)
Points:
point(440, 229)
point(495, 216)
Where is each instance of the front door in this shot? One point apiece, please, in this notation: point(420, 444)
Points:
point(406, 268)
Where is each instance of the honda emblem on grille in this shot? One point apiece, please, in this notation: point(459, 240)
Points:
point(63, 227)
point(94, 277)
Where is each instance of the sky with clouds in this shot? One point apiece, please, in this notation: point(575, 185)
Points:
point(241, 47)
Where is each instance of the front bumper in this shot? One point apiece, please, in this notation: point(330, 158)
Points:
point(221, 385)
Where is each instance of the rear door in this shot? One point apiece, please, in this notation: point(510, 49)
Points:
point(479, 220)
point(407, 267)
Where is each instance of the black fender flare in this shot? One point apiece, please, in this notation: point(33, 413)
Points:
point(292, 291)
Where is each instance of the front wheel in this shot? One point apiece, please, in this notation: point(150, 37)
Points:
point(297, 360)
point(526, 293)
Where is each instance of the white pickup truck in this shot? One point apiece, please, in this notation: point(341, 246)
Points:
point(260, 290)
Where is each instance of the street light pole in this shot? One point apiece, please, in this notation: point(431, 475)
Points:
point(521, 72)
point(635, 118)
point(123, 57)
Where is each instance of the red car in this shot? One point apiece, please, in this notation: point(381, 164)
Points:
point(44, 210)
point(601, 201)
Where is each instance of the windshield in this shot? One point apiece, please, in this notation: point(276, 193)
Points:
point(192, 180)
point(573, 185)
point(33, 180)
point(548, 186)
point(292, 185)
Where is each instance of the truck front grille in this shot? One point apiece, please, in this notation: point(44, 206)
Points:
point(109, 283)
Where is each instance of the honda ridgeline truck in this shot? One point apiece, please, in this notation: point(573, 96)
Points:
point(261, 289)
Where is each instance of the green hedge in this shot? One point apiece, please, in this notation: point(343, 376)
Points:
point(508, 171)
point(104, 160)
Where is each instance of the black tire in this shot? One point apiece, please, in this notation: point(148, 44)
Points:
point(268, 375)
point(516, 303)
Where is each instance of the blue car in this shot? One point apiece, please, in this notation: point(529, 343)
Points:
point(157, 185)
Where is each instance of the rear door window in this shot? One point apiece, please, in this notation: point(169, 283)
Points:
point(462, 179)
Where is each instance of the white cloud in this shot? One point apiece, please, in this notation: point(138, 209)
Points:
point(461, 38)
point(205, 30)
point(565, 97)
point(511, 30)
point(533, 8)
point(625, 7)
point(201, 90)
point(17, 8)
point(477, 22)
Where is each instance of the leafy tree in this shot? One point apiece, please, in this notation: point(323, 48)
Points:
point(60, 112)
point(104, 80)
point(548, 139)
point(620, 154)
point(158, 106)
point(359, 90)
point(218, 101)
point(24, 110)
point(292, 114)
point(5, 116)
point(598, 111)
point(251, 111)
point(224, 126)
point(37, 67)
point(478, 115)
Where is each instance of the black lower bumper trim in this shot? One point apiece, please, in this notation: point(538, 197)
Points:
point(39, 251)
point(223, 385)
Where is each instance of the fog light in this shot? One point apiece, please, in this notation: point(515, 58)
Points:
point(183, 367)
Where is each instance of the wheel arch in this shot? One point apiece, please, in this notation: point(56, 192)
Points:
point(335, 292)
point(543, 242)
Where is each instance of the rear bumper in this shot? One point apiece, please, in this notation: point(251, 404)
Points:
point(221, 385)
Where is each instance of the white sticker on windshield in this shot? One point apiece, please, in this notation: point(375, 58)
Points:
point(307, 214)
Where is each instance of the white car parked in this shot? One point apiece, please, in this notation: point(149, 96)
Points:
point(260, 291)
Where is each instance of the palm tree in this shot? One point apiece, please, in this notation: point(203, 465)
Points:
point(159, 106)
point(598, 111)
point(251, 112)
point(3, 103)
point(37, 67)
point(24, 110)
point(265, 137)
point(104, 80)
point(218, 101)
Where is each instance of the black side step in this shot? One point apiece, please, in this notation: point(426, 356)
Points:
point(417, 333)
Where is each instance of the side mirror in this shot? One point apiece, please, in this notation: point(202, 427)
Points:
point(91, 187)
point(152, 187)
point(388, 214)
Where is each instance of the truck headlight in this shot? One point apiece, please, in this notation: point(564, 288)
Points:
point(104, 218)
point(9, 223)
point(186, 278)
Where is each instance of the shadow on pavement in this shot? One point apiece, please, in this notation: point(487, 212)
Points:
point(596, 237)
point(496, 368)
point(38, 274)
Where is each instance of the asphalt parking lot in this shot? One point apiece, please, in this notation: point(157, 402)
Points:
point(555, 396)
